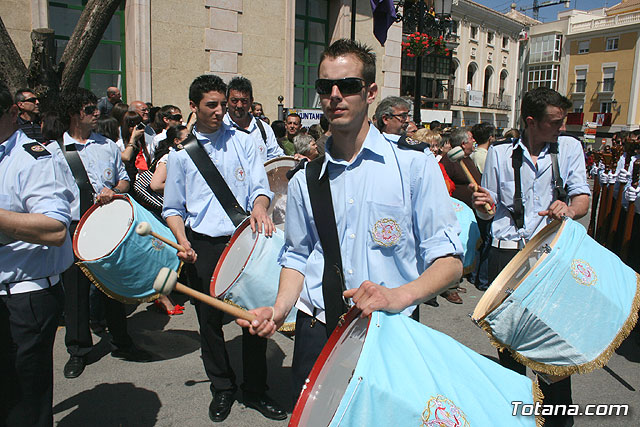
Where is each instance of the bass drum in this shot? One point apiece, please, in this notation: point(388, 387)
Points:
point(277, 175)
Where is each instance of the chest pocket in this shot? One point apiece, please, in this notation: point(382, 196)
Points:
point(388, 226)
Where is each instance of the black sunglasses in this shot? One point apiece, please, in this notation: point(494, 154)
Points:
point(347, 86)
point(176, 117)
point(90, 109)
point(34, 99)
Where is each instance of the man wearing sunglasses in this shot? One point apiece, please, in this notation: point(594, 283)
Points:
point(392, 116)
point(101, 159)
point(35, 247)
point(167, 116)
point(29, 117)
point(387, 201)
point(239, 101)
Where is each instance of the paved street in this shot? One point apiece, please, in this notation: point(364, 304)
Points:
point(173, 390)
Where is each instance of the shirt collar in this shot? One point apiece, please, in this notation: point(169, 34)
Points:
point(68, 139)
point(227, 120)
point(374, 145)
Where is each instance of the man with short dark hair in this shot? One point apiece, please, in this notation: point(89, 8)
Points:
point(106, 103)
point(293, 123)
point(29, 117)
point(239, 98)
point(35, 248)
point(483, 134)
point(375, 184)
point(544, 112)
point(201, 225)
point(392, 115)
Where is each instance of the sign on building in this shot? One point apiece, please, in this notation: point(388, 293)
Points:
point(475, 98)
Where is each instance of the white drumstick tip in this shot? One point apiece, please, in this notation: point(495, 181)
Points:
point(143, 229)
point(165, 281)
point(456, 154)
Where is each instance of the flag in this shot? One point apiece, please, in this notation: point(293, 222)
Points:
point(384, 15)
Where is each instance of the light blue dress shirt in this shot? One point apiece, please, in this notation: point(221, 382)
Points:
point(537, 188)
point(267, 151)
point(30, 185)
point(393, 215)
point(102, 160)
point(187, 194)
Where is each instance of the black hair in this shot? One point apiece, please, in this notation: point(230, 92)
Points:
point(6, 100)
point(108, 126)
point(241, 84)
point(19, 97)
point(163, 146)
point(364, 53)
point(482, 132)
point(294, 115)
point(279, 128)
point(536, 101)
point(163, 113)
point(52, 127)
point(203, 84)
point(74, 100)
point(435, 124)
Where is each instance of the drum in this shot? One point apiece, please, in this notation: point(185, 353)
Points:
point(248, 272)
point(278, 183)
point(469, 234)
point(119, 261)
point(563, 304)
point(389, 370)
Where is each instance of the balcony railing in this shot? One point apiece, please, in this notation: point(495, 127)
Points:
point(606, 22)
point(489, 99)
point(575, 119)
point(606, 121)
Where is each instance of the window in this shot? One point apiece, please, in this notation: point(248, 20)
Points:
point(490, 37)
point(609, 76)
point(578, 107)
point(612, 43)
point(583, 47)
point(543, 75)
point(107, 65)
point(474, 33)
point(454, 27)
point(505, 42)
point(312, 37)
point(545, 48)
point(605, 107)
point(581, 81)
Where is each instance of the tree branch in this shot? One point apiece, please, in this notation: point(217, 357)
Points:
point(12, 68)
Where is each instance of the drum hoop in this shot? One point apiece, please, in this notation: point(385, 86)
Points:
point(277, 159)
point(490, 294)
point(328, 348)
point(86, 215)
point(234, 237)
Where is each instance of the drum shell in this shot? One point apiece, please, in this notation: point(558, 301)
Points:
point(256, 284)
point(404, 368)
point(571, 311)
point(127, 272)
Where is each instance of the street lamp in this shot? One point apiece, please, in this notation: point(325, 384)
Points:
point(424, 16)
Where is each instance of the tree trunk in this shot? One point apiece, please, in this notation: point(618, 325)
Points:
point(85, 38)
point(12, 69)
point(43, 75)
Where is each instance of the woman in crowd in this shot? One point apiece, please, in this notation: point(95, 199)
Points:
point(305, 146)
point(135, 154)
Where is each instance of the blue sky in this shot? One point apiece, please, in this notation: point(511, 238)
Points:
point(549, 13)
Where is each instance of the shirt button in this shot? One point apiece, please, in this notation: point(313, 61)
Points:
point(350, 271)
point(353, 236)
point(350, 201)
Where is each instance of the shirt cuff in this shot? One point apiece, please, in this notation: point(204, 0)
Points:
point(293, 261)
point(258, 193)
point(441, 246)
point(65, 219)
point(167, 212)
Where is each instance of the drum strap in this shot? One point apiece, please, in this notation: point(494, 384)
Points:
point(79, 174)
point(325, 219)
point(212, 176)
point(262, 131)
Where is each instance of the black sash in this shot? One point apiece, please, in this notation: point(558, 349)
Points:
point(79, 174)
point(212, 176)
point(324, 217)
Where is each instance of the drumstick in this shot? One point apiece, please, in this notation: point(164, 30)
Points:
point(167, 280)
point(144, 229)
point(456, 154)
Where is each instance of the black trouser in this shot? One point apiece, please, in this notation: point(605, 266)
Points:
point(214, 352)
point(28, 324)
point(558, 393)
point(76, 312)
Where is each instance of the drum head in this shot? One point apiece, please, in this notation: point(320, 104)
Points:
point(233, 259)
point(517, 270)
point(278, 183)
point(331, 373)
point(102, 228)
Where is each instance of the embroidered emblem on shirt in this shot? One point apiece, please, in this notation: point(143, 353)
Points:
point(261, 149)
point(441, 411)
point(457, 206)
point(583, 273)
point(386, 232)
point(37, 148)
point(240, 175)
point(157, 244)
point(107, 174)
